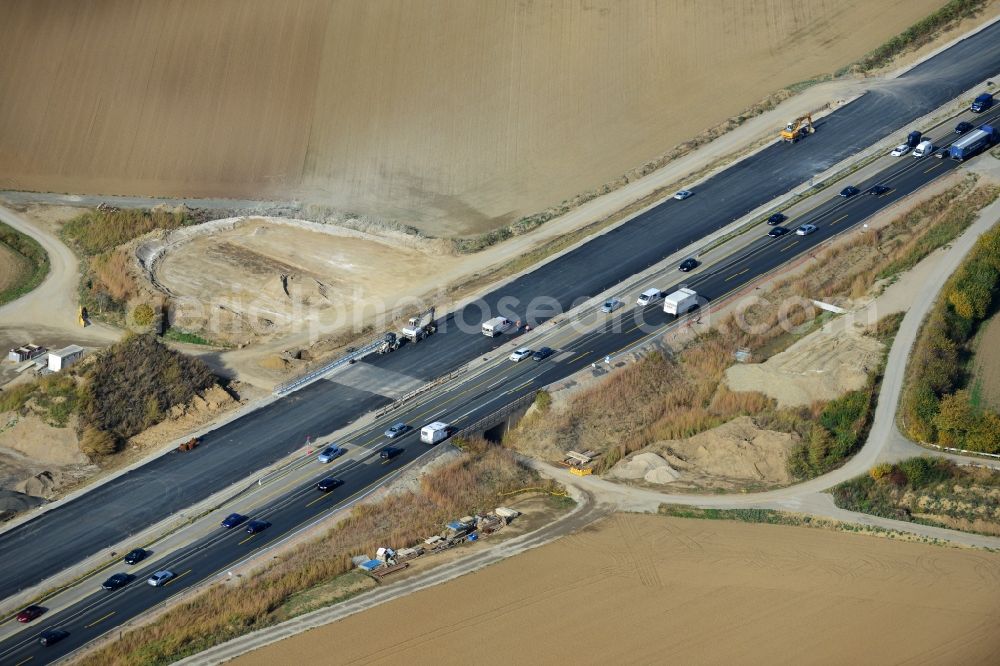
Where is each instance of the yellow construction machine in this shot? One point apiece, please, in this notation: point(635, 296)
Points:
point(798, 128)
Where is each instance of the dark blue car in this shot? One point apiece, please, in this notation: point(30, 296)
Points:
point(233, 519)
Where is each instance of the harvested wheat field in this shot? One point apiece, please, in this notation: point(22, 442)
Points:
point(650, 589)
point(452, 115)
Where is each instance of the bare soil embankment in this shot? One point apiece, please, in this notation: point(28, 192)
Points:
point(649, 589)
point(456, 116)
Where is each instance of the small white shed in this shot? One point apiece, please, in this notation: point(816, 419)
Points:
point(65, 357)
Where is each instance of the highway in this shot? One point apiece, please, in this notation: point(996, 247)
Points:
point(59, 538)
point(295, 504)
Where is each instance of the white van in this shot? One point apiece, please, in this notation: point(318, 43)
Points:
point(648, 296)
point(496, 326)
point(923, 149)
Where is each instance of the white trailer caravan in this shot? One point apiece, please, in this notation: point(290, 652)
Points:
point(496, 326)
point(680, 302)
point(434, 432)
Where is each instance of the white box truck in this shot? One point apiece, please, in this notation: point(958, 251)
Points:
point(649, 296)
point(923, 149)
point(434, 432)
point(496, 326)
point(680, 302)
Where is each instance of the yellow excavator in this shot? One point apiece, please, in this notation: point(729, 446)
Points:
point(798, 128)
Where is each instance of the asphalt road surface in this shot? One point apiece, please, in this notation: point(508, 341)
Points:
point(462, 405)
point(61, 537)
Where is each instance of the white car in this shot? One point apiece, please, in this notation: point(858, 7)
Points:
point(805, 230)
point(520, 354)
point(683, 194)
point(160, 578)
point(611, 305)
point(900, 150)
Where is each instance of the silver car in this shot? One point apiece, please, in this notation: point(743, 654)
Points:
point(329, 453)
point(805, 230)
point(611, 305)
point(160, 578)
point(683, 194)
point(395, 430)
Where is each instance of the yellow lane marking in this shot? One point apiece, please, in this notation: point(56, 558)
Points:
point(839, 219)
point(88, 626)
point(320, 498)
point(789, 246)
point(932, 167)
point(247, 539)
point(178, 577)
point(736, 275)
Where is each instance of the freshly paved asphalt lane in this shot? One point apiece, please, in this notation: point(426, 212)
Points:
point(461, 405)
point(63, 536)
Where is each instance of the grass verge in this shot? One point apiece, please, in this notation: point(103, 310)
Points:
point(35, 259)
point(772, 517)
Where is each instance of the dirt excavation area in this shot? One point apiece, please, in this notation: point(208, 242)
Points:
point(454, 116)
point(734, 456)
point(821, 366)
point(650, 589)
point(244, 280)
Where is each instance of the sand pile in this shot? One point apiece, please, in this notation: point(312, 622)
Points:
point(821, 366)
point(735, 451)
point(647, 466)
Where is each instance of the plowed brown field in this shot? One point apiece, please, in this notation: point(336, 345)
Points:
point(457, 116)
point(654, 590)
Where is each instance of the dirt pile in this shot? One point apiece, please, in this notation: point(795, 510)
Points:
point(733, 456)
point(183, 419)
point(821, 366)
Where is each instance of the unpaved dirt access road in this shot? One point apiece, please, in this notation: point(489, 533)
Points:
point(50, 310)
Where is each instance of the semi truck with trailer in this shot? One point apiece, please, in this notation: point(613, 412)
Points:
point(433, 433)
point(680, 302)
point(972, 143)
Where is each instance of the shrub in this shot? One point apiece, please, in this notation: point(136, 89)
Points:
point(13, 398)
point(543, 401)
point(97, 443)
point(143, 314)
point(880, 471)
point(97, 232)
point(135, 381)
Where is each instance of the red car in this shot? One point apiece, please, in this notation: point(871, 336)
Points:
point(30, 613)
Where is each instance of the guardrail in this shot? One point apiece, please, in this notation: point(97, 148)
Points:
point(403, 399)
point(312, 375)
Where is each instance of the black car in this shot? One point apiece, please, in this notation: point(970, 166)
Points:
point(135, 556)
point(119, 580)
point(233, 519)
point(777, 218)
point(326, 485)
point(542, 354)
point(849, 191)
point(255, 526)
point(777, 232)
point(51, 636)
point(688, 264)
point(963, 127)
point(879, 189)
point(389, 452)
